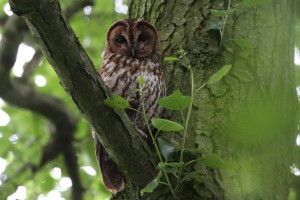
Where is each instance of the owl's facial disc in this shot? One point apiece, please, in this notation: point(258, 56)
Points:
point(134, 38)
point(144, 40)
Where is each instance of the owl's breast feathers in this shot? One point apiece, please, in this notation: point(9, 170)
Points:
point(121, 75)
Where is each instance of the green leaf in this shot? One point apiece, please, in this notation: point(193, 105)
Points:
point(161, 165)
point(47, 183)
point(221, 13)
point(171, 59)
point(166, 125)
point(181, 52)
point(211, 160)
point(176, 101)
point(190, 175)
point(166, 147)
point(116, 102)
point(215, 25)
point(152, 185)
point(219, 75)
point(141, 81)
point(254, 3)
point(214, 161)
point(171, 170)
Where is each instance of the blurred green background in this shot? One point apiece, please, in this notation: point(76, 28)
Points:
point(23, 134)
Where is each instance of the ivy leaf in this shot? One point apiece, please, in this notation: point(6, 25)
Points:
point(171, 59)
point(219, 75)
point(116, 102)
point(152, 185)
point(176, 101)
point(166, 125)
point(254, 3)
point(221, 13)
point(167, 148)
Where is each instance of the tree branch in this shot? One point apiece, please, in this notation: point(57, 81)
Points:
point(78, 6)
point(20, 93)
point(79, 78)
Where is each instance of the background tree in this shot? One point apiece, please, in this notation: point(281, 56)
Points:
point(248, 117)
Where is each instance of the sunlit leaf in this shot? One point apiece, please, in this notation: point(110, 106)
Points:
point(166, 125)
point(47, 183)
point(219, 75)
point(176, 101)
point(166, 147)
point(221, 13)
point(152, 185)
point(116, 102)
point(171, 59)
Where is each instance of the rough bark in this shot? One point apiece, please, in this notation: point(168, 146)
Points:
point(244, 117)
point(249, 116)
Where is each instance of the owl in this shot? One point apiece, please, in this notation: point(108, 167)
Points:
point(132, 50)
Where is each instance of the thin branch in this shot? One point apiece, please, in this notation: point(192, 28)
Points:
point(77, 6)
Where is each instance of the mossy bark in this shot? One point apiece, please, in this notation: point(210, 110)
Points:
point(248, 117)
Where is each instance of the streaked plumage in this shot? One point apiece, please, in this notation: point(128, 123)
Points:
point(132, 50)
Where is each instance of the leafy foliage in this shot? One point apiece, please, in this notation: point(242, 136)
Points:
point(220, 74)
point(164, 148)
point(176, 101)
point(166, 125)
point(116, 102)
point(23, 140)
point(167, 148)
point(222, 13)
point(152, 185)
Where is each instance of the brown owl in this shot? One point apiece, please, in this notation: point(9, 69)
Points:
point(132, 50)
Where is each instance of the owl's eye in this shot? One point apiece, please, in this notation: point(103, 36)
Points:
point(121, 39)
point(143, 37)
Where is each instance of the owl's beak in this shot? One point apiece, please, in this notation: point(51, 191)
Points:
point(132, 52)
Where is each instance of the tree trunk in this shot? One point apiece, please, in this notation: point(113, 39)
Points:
point(248, 117)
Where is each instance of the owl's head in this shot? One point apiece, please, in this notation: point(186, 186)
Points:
point(133, 38)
